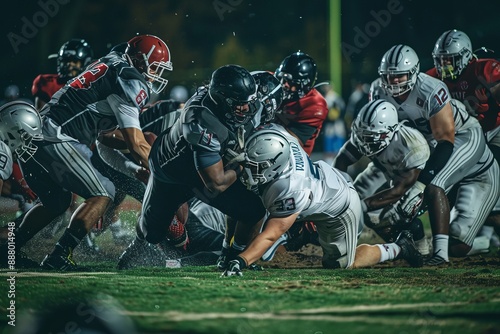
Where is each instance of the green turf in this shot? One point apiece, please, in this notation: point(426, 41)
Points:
point(198, 300)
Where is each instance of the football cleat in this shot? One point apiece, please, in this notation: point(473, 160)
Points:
point(409, 251)
point(62, 261)
point(177, 234)
point(436, 260)
point(141, 253)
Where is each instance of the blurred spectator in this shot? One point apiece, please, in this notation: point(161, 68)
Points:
point(334, 129)
point(179, 93)
point(357, 99)
point(12, 93)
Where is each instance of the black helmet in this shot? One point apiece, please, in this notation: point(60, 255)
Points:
point(73, 50)
point(269, 92)
point(233, 90)
point(299, 70)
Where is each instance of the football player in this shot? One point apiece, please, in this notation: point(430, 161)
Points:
point(476, 83)
point(293, 189)
point(110, 93)
point(190, 159)
point(304, 108)
point(456, 141)
point(72, 59)
point(400, 153)
point(20, 130)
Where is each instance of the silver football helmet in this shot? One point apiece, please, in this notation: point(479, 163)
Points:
point(452, 53)
point(398, 61)
point(267, 157)
point(20, 124)
point(374, 127)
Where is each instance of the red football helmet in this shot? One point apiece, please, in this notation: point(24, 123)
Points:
point(150, 56)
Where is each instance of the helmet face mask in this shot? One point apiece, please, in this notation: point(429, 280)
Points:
point(399, 61)
point(150, 56)
point(269, 92)
point(297, 74)
point(73, 57)
point(374, 127)
point(20, 125)
point(233, 89)
point(452, 53)
point(267, 157)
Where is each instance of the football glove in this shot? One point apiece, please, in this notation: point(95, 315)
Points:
point(234, 267)
point(411, 202)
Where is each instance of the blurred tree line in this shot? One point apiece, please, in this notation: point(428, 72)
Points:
point(256, 34)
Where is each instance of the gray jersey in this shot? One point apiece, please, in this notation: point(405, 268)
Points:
point(5, 161)
point(427, 98)
point(471, 168)
point(309, 188)
point(108, 94)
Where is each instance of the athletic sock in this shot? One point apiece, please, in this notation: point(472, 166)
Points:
point(388, 251)
point(440, 246)
point(69, 240)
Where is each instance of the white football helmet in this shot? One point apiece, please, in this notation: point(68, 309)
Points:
point(374, 127)
point(267, 157)
point(452, 53)
point(399, 60)
point(20, 124)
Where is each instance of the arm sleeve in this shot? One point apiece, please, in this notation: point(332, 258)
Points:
point(126, 114)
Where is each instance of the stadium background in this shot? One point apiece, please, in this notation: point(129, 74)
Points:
point(257, 34)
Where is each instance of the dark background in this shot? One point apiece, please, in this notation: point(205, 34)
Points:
point(256, 34)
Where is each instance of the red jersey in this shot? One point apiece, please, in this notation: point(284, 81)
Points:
point(472, 88)
point(45, 85)
point(311, 110)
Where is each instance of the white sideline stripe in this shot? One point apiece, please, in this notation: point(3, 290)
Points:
point(48, 274)
point(306, 315)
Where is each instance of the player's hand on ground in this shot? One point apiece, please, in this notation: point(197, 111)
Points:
point(233, 269)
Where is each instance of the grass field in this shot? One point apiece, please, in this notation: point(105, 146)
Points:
point(463, 297)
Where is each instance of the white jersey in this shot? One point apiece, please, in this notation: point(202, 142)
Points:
point(313, 189)
point(407, 150)
point(5, 161)
point(427, 98)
